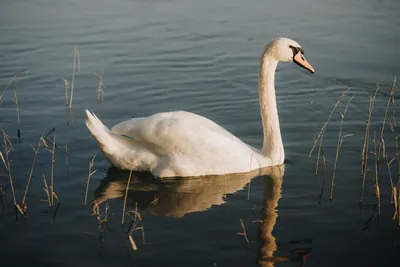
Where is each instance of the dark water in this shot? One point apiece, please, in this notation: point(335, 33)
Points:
point(199, 56)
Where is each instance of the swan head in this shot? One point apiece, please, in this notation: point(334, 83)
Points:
point(288, 50)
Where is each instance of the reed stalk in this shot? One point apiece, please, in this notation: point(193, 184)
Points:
point(134, 227)
point(16, 105)
point(53, 160)
point(9, 83)
point(397, 203)
point(244, 233)
point(66, 83)
point(90, 173)
point(6, 160)
point(76, 58)
point(394, 191)
point(102, 219)
point(376, 185)
point(321, 132)
point(338, 146)
point(364, 153)
point(66, 156)
point(391, 96)
point(126, 196)
point(382, 146)
point(36, 151)
point(100, 87)
point(46, 189)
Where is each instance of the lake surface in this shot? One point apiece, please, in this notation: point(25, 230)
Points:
point(199, 56)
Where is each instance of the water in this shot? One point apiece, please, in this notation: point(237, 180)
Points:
point(199, 56)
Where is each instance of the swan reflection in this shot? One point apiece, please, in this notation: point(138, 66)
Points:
point(177, 197)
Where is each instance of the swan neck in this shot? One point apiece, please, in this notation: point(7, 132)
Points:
point(272, 145)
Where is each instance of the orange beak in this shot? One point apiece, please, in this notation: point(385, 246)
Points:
point(300, 60)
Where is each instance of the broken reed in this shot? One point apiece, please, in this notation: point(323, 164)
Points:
point(136, 218)
point(100, 88)
point(66, 83)
point(244, 233)
point(46, 189)
point(101, 219)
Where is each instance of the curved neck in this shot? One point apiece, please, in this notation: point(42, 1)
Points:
point(272, 146)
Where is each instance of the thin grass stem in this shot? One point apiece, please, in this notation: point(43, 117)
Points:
point(90, 173)
point(76, 58)
point(338, 146)
point(126, 196)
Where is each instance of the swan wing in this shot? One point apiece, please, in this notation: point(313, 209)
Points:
point(180, 132)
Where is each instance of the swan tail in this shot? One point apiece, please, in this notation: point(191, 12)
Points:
point(106, 140)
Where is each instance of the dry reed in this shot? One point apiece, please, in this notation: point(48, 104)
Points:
point(126, 196)
point(46, 189)
point(90, 173)
point(66, 156)
point(16, 105)
point(9, 83)
point(376, 177)
point(66, 83)
point(339, 145)
point(36, 151)
point(364, 153)
point(6, 160)
point(321, 132)
point(76, 58)
point(136, 218)
point(100, 88)
point(397, 189)
point(102, 219)
point(53, 160)
point(244, 233)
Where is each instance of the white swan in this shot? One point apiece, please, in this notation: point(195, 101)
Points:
point(183, 144)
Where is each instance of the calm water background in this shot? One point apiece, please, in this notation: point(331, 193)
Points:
point(199, 56)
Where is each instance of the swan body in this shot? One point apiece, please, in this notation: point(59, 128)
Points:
point(181, 144)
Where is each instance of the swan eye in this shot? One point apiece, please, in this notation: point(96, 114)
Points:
point(296, 50)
